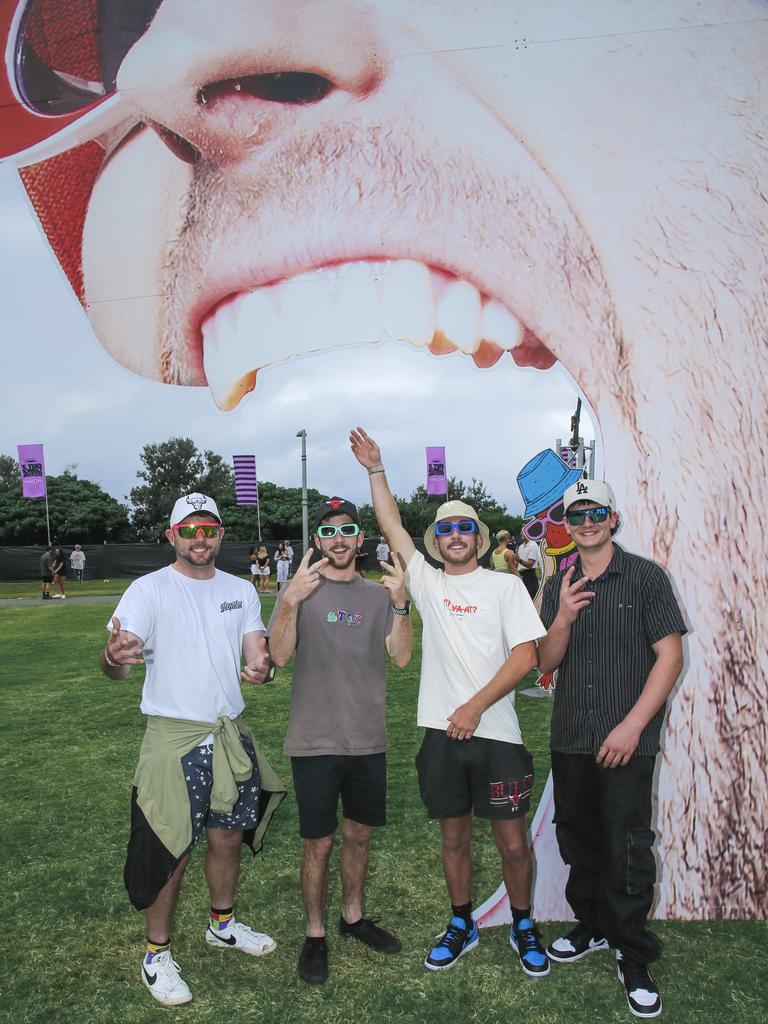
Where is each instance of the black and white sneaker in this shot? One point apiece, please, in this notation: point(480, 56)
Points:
point(240, 937)
point(578, 943)
point(162, 977)
point(642, 992)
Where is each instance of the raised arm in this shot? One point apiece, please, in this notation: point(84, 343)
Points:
point(368, 454)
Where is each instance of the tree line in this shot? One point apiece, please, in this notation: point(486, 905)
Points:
point(81, 512)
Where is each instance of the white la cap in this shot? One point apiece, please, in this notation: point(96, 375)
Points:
point(191, 503)
point(589, 490)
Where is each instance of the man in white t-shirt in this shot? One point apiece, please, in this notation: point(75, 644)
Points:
point(528, 559)
point(191, 625)
point(77, 561)
point(382, 551)
point(479, 641)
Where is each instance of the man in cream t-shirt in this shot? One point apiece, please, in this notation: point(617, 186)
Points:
point(479, 641)
point(199, 768)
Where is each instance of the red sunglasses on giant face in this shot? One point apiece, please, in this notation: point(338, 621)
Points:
point(57, 83)
point(58, 99)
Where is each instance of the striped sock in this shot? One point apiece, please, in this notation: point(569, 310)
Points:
point(153, 948)
point(220, 918)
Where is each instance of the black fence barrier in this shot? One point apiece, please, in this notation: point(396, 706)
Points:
point(128, 561)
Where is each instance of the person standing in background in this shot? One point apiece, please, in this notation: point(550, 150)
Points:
point(46, 572)
point(503, 558)
point(527, 559)
point(59, 572)
point(77, 563)
point(282, 564)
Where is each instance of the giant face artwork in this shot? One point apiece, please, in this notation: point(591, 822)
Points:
point(535, 182)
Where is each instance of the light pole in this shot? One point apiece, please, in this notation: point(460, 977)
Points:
point(304, 512)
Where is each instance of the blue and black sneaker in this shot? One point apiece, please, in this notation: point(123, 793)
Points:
point(455, 941)
point(525, 941)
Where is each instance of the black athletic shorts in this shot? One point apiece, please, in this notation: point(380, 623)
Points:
point(457, 776)
point(359, 779)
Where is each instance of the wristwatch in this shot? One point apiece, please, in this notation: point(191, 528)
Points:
point(402, 611)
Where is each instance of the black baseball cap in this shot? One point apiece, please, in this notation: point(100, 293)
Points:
point(336, 507)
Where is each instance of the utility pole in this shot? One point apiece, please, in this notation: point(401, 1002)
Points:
point(304, 510)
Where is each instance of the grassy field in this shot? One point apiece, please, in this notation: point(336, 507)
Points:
point(72, 945)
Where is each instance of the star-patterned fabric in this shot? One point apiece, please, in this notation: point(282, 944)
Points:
point(198, 774)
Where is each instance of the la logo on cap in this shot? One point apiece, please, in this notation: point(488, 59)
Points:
point(581, 488)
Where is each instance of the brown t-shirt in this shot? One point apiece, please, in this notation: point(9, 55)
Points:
point(339, 674)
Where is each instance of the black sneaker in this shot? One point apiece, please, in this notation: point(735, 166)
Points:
point(642, 992)
point(366, 930)
point(525, 941)
point(578, 943)
point(313, 961)
point(455, 941)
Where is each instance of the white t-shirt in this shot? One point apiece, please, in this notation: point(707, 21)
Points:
point(192, 632)
point(528, 550)
point(382, 552)
point(77, 559)
point(471, 623)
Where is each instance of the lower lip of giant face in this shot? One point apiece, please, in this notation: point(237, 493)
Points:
point(361, 302)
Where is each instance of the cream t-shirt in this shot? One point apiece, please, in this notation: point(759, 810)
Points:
point(471, 624)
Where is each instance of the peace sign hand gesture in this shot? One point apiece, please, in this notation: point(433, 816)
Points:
point(306, 579)
point(573, 596)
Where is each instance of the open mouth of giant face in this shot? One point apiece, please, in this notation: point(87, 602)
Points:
point(356, 303)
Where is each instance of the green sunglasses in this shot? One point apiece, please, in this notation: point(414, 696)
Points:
point(346, 530)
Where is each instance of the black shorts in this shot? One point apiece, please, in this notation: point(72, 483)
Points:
point(457, 776)
point(46, 579)
point(359, 779)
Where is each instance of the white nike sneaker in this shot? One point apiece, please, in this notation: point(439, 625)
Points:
point(240, 936)
point(163, 979)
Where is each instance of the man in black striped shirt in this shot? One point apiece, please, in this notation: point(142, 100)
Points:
point(614, 632)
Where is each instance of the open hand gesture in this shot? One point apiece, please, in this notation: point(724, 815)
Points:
point(364, 448)
point(123, 648)
point(573, 596)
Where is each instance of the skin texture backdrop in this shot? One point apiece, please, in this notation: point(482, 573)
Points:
point(541, 182)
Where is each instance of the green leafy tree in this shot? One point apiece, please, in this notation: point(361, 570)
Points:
point(10, 477)
point(172, 468)
point(279, 509)
point(80, 511)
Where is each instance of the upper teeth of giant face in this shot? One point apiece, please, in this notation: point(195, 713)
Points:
point(350, 304)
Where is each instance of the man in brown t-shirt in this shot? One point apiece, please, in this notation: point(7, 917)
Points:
point(340, 627)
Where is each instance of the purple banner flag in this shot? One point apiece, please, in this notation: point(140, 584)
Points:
point(437, 481)
point(32, 466)
point(246, 485)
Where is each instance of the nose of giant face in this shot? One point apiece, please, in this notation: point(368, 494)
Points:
point(212, 78)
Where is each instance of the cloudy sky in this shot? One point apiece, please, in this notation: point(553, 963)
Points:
point(62, 389)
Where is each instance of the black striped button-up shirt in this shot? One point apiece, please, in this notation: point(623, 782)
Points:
point(610, 654)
